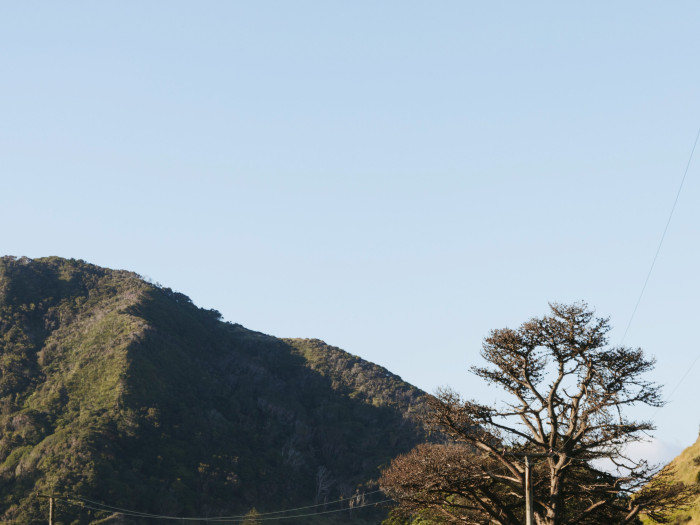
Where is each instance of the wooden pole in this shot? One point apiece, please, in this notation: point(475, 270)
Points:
point(51, 510)
point(529, 508)
point(529, 493)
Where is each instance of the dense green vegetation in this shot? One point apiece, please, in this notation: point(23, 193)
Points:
point(116, 390)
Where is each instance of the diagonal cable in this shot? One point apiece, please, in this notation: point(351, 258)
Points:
point(663, 236)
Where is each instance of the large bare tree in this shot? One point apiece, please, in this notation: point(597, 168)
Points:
point(564, 423)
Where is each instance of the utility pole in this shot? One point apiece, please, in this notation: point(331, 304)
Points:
point(51, 506)
point(529, 508)
point(529, 493)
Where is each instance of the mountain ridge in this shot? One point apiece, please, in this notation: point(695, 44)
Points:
point(122, 391)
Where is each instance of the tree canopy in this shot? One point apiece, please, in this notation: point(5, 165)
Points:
point(568, 391)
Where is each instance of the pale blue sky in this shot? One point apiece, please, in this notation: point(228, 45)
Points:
point(396, 178)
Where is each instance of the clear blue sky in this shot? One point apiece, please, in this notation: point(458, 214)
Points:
point(396, 178)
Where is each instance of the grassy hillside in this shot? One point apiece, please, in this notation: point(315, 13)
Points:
point(118, 391)
point(687, 470)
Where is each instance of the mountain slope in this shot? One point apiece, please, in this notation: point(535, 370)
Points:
point(687, 470)
point(116, 390)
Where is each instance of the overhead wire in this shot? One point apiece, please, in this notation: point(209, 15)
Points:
point(653, 263)
point(145, 514)
point(77, 501)
point(365, 505)
point(651, 269)
point(663, 236)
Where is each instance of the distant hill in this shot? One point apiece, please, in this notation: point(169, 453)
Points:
point(118, 391)
point(687, 470)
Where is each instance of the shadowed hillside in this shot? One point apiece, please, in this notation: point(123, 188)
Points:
point(116, 390)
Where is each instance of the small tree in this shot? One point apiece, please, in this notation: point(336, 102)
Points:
point(568, 391)
point(252, 517)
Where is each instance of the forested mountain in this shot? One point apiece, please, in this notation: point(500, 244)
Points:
point(119, 391)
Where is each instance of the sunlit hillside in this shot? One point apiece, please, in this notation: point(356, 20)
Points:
point(687, 470)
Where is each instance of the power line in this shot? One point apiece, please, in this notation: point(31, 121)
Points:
point(364, 505)
point(663, 236)
point(145, 514)
point(95, 506)
point(651, 268)
point(653, 263)
point(658, 249)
